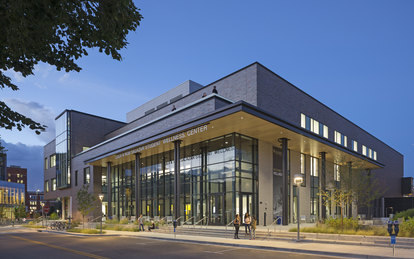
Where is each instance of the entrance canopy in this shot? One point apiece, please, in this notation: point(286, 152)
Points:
point(245, 119)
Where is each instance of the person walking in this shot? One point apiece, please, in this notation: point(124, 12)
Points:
point(236, 224)
point(253, 234)
point(247, 221)
point(141, 222)
point(214, 90)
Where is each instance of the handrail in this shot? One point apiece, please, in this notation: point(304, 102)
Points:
point(201, 221)
point(188, 220)
point(95, 219)
point(273, 223)
point(230, 223)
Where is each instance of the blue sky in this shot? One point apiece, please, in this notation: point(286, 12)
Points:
point(357, 57)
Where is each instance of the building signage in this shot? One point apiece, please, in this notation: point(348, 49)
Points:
point(167, 140)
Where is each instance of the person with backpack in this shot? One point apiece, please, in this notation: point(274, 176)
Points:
point(236, 224)
point(253, 225)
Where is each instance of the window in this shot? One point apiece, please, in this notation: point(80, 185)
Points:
point(314, 184)
point(364, 150)
point(46, 186)
point(86, 175)
point(76, 178)
point(52, 160)
point(354, 146)
point(370, 153)
point(303, 168)
point(53, 184)
point(340, 138)
point(45, 163)
point(314, 166)
point(337, 173)
point(375, 155)
point(313, 125)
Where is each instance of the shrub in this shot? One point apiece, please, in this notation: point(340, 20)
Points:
point(112, 221)
point(406, 214)
point(54, 216)
point(407, 228)
point(123, 221)
point(349, 223)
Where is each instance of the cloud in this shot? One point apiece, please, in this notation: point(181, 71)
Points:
point(30, 157)
point(38, 113)
point(64, 78)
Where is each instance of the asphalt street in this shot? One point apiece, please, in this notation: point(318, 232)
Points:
point(22, 244)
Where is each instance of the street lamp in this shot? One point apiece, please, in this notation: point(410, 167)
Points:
point(298, 180)
point(42, 204)
point(101, 196)
point(58, 213)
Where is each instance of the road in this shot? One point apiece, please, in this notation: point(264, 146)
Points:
point(29, 244)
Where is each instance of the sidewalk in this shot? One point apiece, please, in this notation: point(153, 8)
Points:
point(341, 250)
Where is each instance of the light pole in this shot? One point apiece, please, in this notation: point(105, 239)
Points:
point(42, 204)
point(298, 180)
point(58, 213)
point(101, 196)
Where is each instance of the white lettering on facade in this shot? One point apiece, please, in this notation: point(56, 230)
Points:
point(167, 140)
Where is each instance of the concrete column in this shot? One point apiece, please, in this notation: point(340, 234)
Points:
point(137, 185)
point(109, 188)
point(285, 186)
point(177, 179)
point(323, 183)
point(62, 199)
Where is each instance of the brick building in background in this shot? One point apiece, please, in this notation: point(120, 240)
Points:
point(16, 174)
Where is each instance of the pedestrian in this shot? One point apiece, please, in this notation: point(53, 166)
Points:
point(152, 226)
point(253, 234)
point(236, 224)
point(173, 108)
point(141, 223)
point(215, 90)
point(247, 221)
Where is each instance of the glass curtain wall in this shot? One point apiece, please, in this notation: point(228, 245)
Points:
point(218, 179)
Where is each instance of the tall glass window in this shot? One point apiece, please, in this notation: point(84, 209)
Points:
point(218, 179)
point(314, 190)
point(63, 151)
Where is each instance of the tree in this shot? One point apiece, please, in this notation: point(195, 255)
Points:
point(2, 212)
point(85, 202)
point(339, 197)
point(57, 33)
point(20, 212)
point(3, 150)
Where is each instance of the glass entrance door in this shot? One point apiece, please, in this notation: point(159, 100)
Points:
point(216, 209)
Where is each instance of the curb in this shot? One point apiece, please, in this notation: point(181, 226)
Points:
point(79, 234)
point(281, 249)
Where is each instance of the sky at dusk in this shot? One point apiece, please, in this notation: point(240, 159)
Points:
point(357, 57)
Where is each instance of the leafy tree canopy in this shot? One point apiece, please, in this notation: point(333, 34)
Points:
point(57, 32)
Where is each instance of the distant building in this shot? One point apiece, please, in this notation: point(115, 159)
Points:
point(35, 198)
point(3, 166)
point(231, 152)
point(11, 195)
point(16, 174)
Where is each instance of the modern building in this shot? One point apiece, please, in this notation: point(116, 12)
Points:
point(206, 153)
point(16, 174)
point(11, 196)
